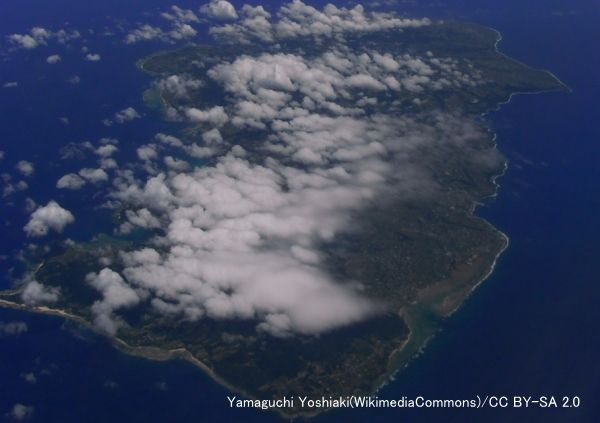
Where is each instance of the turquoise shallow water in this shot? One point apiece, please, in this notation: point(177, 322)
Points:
point(529, 330)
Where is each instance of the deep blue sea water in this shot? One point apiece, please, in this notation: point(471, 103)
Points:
point(530, 329)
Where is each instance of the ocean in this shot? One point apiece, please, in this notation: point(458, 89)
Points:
point(530, 329)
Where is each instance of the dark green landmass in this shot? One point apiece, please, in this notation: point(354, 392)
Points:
point(421, 256)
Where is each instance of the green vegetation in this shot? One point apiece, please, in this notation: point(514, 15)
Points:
point(422, 257)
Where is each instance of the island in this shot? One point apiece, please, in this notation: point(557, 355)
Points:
point(415, 249)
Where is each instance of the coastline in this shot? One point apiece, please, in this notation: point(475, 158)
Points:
point(404, 350)
point(420, 334)
point(499, 38)
point(405, 358)
point(415, 343)
point(146, 352)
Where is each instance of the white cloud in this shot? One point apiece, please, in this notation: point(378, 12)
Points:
point(54, 59)
point(141, 218)
point(75, 150)
point(176, 164)
point(228, 214)
point(178, 14)
point(126, 115)
point(35, 293)
point(11, 84)
point(12, 328)
point(52, 216)
point(179, 86)
point(39, 36)
point(297, 19)
point(29, 377)
point(21, 412)
point(300, 19)
point(25, 41)
point(219, 9)
point(365, 82)
point(70, 181)
point(169, 140)
point(212, 136)
point(91, 57)
point(94, 176)
point(180, 28)
point(106, 150)
point(10, 188)
point(144, 33)
point(215, 115)
point(116, 294)
point(25, 168)
point(107, 163)
point(181, 31)
point(241, 236)
point(147, 152)
point(254, 24)
point(29, 205)
point(107, 140)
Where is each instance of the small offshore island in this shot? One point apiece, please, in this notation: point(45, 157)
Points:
point(414, 247)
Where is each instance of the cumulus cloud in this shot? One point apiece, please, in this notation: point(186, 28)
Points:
point(75, 150)
point(180, 28)
point(126, 115)
point(12, 328)
point(29, 377)
point(39, 36)
point(241, 236)
point(35, 293)
point(116, 294)
point(70, 181)
point(219, 9)
point(51, 216)
point(21, 412)
point(300, 19)
point(144, 33)
point(106, 150)
point(176, 164)
point(141, 218)
point(215, 115)
point(179, 86)
point(212, 136)
point(12, 187)
point(297, 19)
point(177, 14)
point(29, 205)
point(147, 152)
point(91, 57)
point(254, 25)
point(228, 224)
point(54, 59)
point(25, 168)
point(94, 176)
